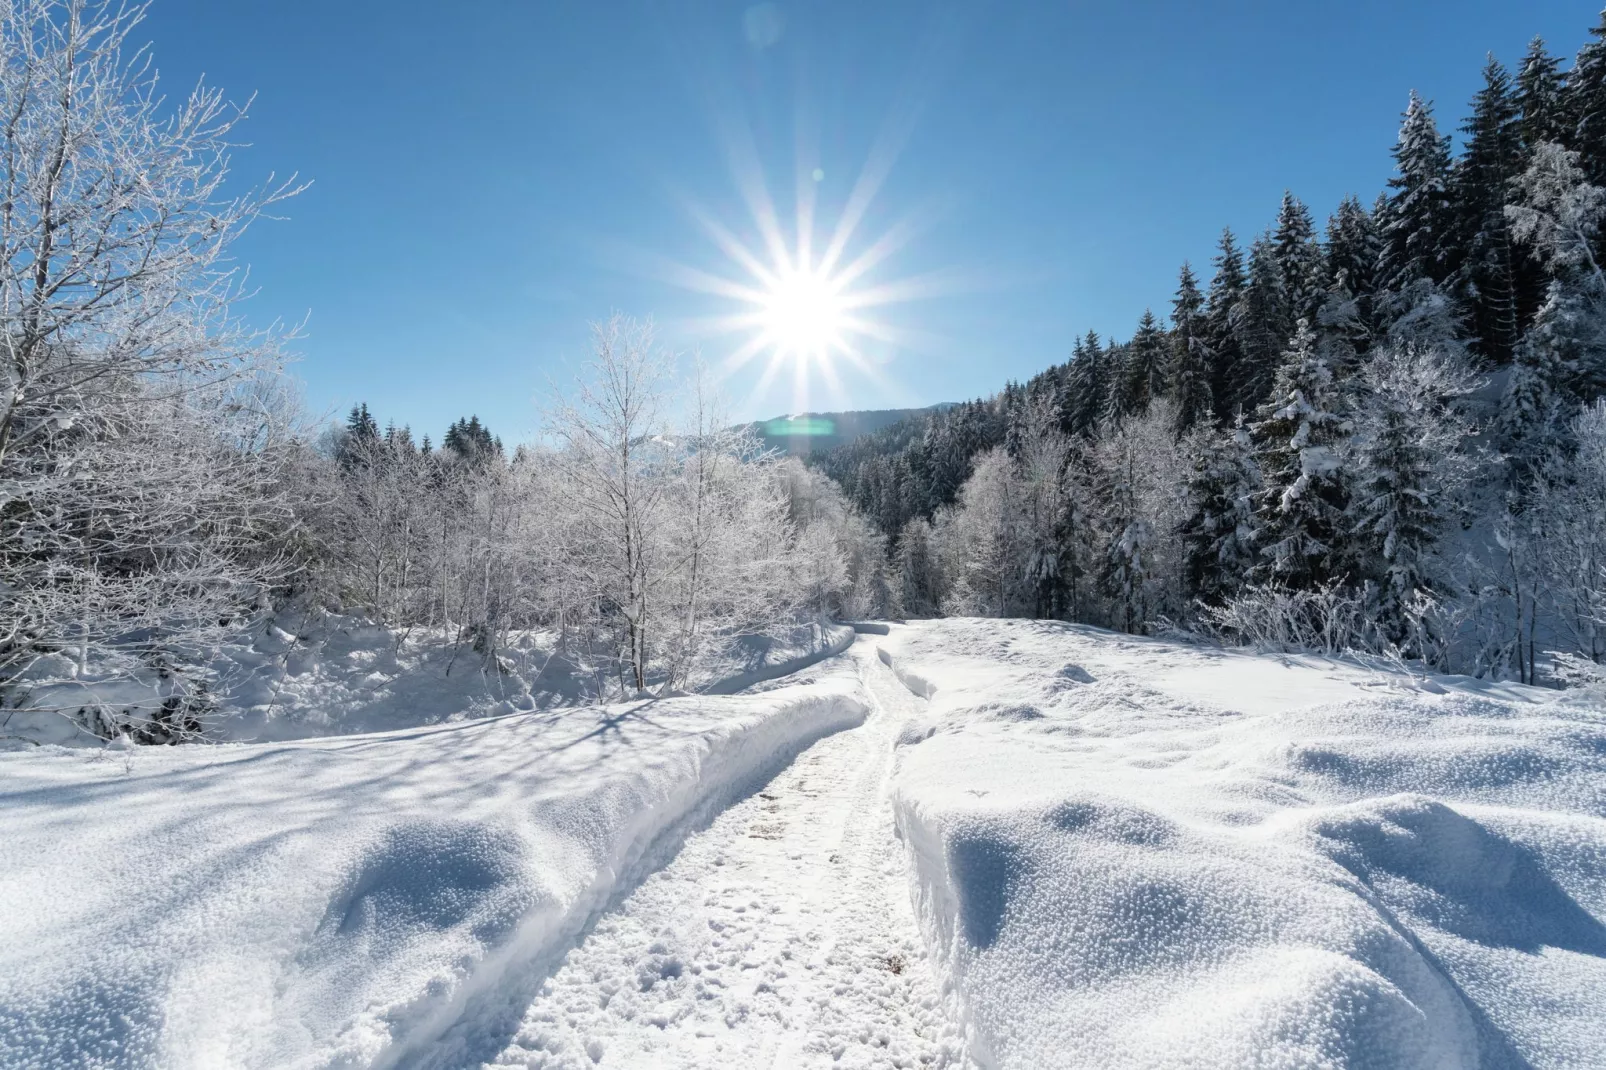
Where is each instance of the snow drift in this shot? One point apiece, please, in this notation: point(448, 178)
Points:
point(1137, 853)
point(385, 900)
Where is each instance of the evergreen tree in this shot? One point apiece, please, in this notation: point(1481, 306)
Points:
point(1143, 372)
point(1299, 260)
point(1352, 251)
point(1417, 230)
point(1085, 390)
point(1559, 214)
point(1219, 536)
point(1299, 510)
point(919, 585)
point(1486, 284)
point(1346, 324)
point(1539, 97)
point(1586, 104)
point(1191, 371)
point(471, 440)
point(1263, 328)
point(1223, 310)
point(361, 425)
point(1409, 468)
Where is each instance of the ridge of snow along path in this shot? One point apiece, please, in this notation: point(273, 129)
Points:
point(782, 935)
point(382, 900)
point(1136, 853)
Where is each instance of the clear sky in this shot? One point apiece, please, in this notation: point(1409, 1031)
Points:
point(491, 175)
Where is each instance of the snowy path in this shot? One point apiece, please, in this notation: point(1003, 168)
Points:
point(781, 936)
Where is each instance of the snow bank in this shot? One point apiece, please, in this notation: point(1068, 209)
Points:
point(384, 900)
point(305, 676)
point(1135, 853)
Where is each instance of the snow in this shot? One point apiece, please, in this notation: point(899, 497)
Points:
point(963, 843)
point(371, 900)
point(1138, 853)
point(301, 676)
point(782, 935)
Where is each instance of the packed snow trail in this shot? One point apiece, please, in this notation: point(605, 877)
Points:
point(782, 935)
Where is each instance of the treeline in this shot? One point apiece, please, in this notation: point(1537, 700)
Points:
point(1378, 436)
point(643, 529)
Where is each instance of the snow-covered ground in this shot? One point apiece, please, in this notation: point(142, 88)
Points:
point(963, 843)
point(380, 900)
point(1134, 853)
point(300, 676)
point(781, 936)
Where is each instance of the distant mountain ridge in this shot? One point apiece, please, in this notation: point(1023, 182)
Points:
point(804, 433)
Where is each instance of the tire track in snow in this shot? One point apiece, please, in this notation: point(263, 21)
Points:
point(782, 935)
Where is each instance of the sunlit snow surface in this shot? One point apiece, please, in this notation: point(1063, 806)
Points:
point(383, 900)
point(1023, 845)
point(1132, 853)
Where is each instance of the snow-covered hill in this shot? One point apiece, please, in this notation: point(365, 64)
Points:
point(966, 842)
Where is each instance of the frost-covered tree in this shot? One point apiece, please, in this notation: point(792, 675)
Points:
point(1299, 436)
point(613, 452)
point(1040, 469)
point(1561, 361)
point(1139, 472)
point(1567, 510)
point(982, 545)
point(1410, 467)
point(917, 580)
point(137, 461)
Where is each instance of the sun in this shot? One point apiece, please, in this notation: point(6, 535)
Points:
point(808, 299)
point(803, 314)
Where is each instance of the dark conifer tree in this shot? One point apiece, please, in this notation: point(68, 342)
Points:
point(1486, 285)
point(1263, 328)
point(1085, 387)
point(1539, 97)
point(1299, 260)
point(361, 424)
point(1143, 375)
point(1417, 230)
point(1219, 535)
point(1190, 354)
point(1347, 323)
point(1585, 98)
point(471, 440)
point(1223, 311)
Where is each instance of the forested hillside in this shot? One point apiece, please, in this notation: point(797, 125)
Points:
point(1384, 434)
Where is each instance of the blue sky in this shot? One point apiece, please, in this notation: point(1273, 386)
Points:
point(491, 175)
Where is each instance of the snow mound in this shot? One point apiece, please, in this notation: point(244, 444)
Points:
point(1205, 858)
point(382, 900)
